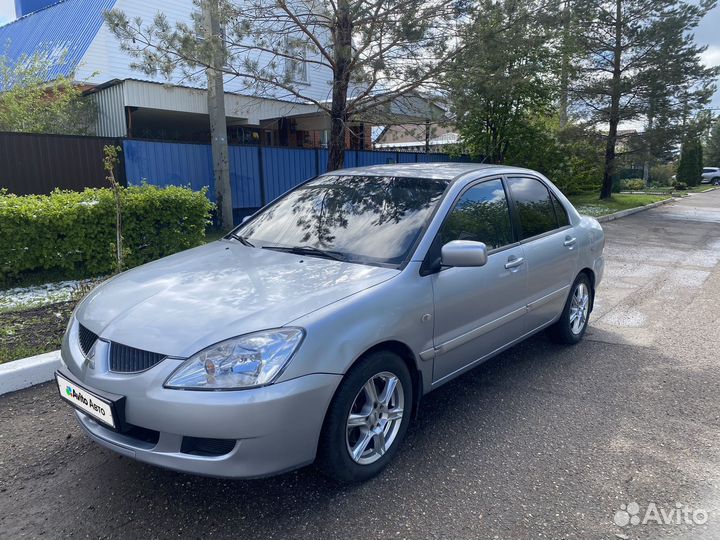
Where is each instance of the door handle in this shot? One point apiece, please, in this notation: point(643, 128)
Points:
point(569, 241)
point(514, 263)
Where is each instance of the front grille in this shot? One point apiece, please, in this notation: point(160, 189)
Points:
point(124, 359)
point(87, 339)
point(200, 446)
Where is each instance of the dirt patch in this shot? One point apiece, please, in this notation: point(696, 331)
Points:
point(33, 331)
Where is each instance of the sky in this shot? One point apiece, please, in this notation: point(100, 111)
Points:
point(706, 34)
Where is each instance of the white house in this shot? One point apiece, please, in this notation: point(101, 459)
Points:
point(133, 104)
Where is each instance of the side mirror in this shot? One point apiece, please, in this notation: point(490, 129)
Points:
point(464, 253)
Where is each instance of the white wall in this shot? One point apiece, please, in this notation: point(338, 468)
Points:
point(104, 59)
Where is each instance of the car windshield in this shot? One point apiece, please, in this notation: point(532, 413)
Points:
point(365, 219)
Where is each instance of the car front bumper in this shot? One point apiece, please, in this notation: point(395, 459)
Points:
point(264, 431)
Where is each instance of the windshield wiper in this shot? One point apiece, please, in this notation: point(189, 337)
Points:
point(309, 250)
point(242, 240)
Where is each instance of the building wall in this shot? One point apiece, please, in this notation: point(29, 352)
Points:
point(105, 60)
point(110, 112)
point(414, 133)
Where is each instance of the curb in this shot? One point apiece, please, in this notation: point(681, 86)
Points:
point(20, 374)
point(631, 211)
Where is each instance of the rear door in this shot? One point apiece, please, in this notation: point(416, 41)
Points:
point(549, 245)
point(480, 309)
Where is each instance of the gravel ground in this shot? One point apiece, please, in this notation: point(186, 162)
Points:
point(541, 442)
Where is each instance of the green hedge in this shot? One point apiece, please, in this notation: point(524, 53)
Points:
point(73, 233)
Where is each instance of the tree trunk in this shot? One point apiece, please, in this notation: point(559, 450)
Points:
point(427, 135)
point(609, 171)
point(218, 122)
point(342, 42)
point(565, 66)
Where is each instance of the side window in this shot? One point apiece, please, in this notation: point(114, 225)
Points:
point(560, 212)
point(482, 215)
point(534, 207)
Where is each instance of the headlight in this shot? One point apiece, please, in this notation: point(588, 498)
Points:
point(243, 362)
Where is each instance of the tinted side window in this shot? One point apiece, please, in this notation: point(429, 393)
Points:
point(534, 206)
point(482, 215)
point(560, 212)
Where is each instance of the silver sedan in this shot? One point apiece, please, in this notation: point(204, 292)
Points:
point(311, 331)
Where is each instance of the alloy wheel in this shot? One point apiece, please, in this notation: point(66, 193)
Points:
point(375, 418)
point(579, 307)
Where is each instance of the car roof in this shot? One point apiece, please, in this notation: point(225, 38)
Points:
point(439, 171)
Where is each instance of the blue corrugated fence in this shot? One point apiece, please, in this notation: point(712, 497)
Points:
point(257, 174)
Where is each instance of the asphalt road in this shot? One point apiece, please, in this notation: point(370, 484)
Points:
point(542, 442)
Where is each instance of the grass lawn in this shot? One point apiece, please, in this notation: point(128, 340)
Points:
point(33, 331)
point(590, 203)
point(700, 188)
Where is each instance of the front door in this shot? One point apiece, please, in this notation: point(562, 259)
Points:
point(478, 310)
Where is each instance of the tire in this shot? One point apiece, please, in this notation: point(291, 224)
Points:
point(568, 330)
point(339, 439)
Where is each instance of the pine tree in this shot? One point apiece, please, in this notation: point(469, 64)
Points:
point(712, 149)
point(374, 52)
point(691, 160)
point(623, 42)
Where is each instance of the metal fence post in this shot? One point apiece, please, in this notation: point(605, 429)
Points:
point(261, 175)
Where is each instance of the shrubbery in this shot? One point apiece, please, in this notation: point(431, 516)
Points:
point(632, 184)
point(74, 232)
point(662, 174)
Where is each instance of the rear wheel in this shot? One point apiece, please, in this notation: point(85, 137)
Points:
point(574, 319)
point(367, 418)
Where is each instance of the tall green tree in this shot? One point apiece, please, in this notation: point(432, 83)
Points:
point(32, 101)
point(691, 159)
point(712, 149)
point(374, 50)
point(621, 40)
point(677, 84)
point(502, 77)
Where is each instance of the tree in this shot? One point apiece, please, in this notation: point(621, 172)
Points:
point(691, 160)
point(677, 84)
point(502, 77)
point(712, 149)
point(111, 158)
point(31, 101)
point(216, 113)
point(620, 40)
point(373, 50)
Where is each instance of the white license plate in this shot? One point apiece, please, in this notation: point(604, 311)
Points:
point(88, 402)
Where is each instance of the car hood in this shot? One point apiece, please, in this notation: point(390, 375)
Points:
point(183, 303)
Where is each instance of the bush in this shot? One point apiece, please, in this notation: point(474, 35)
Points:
point(691, 161)
point(681, 186)
point(662, 175)
point(632, 184)
point(74, 232)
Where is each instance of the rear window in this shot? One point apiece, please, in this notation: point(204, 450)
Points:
point(534, 206)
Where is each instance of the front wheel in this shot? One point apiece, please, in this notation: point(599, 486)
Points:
point(367, 418)
point(574, 319)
